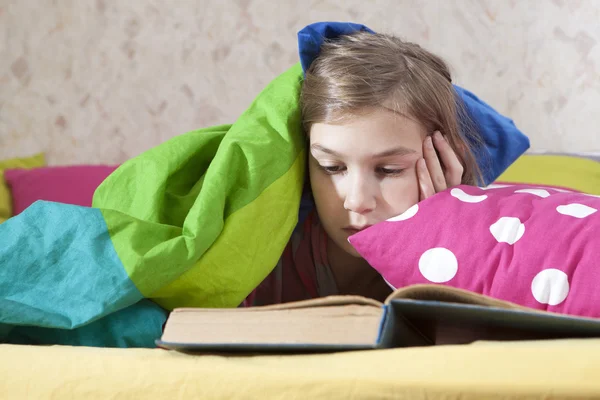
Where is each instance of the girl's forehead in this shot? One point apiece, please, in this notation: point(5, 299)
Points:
point(376, 130)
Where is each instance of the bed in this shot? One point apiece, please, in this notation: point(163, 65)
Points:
point(484, 370)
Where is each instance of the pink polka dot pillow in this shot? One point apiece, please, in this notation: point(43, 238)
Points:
point(534, 246)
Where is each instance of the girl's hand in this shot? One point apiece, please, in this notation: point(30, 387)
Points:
point(435, 176)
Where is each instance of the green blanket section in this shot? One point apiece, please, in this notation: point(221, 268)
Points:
point(200, 220)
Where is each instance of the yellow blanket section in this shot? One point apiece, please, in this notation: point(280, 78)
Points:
point(230, 250)
point(487, 370)
point(576, 173)
point(37, 160)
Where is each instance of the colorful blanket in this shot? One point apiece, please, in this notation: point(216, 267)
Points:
point(199, 221)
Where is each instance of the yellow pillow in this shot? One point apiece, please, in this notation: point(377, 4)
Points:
point(570, 172)
point(35, 161)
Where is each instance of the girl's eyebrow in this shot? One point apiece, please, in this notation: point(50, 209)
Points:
point(396, 151)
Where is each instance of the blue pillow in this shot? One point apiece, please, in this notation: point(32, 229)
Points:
point(503, 142)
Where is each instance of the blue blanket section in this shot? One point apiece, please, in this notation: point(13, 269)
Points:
point(312, 37)
point(57, 292)
point(503, 142)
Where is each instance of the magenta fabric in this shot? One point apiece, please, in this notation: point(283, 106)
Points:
point(532, 245)
point(63, 184)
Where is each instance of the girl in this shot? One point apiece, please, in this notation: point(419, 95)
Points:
point(385, 130)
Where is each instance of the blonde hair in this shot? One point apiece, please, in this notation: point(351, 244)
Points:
point(357, 72)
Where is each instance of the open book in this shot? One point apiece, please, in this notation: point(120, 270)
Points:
point(418, 315)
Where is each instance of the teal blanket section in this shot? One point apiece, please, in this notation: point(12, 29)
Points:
point(135, 326)
point(55, 276)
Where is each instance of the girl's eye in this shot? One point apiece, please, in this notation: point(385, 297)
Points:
point(334, 169)
point(338, 169)
point(390, 171)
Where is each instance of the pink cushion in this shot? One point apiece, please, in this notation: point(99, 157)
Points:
point(534, 246)
point(68, 184)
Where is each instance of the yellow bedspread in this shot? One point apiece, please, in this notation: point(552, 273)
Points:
point(544, 369)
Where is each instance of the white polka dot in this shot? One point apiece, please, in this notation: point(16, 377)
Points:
point(411, 212)
point(467, 198)
point(550, 286)
point(495, 186)
point(537, 192)
point(438, 265)
point(507, 230)
point(576, 210)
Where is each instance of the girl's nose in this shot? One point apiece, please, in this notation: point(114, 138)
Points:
point(359, 197)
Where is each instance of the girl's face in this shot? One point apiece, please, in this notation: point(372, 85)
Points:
point(363, 171)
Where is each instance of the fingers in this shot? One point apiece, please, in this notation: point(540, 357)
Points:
point(453, 169)
point(436, 172)
point(426, 188)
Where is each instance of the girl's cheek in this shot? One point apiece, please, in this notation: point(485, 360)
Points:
point(326, 188)
point(402, 192)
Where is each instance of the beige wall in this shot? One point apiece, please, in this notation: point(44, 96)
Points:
point(100, 81)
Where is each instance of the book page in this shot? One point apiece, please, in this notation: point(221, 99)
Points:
point(449, 294)
point(318, 302)
point(346, 324)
